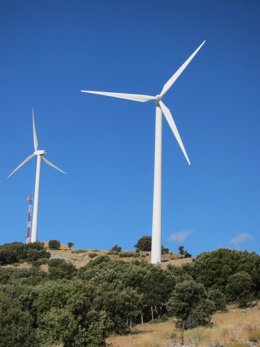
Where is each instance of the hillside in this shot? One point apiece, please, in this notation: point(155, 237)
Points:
point(84, 297)
point(236, 327)
point(81, 257)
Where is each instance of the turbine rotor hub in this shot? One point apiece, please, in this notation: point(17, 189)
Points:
point(158, 98)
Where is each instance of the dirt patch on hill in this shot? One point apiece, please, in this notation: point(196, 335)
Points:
point(81, 257)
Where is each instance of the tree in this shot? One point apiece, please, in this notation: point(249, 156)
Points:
point(66, 316)
point(187, 254)
point(116, 248)
point(144, 244)
point(213, 269)
point(16, 324)
point(240, 288)
point(165, 250)
point(59, 269)
point(70, 244)
point(190, 304)
point(17, 252)
point(121, 304)
point(181, 250)
point(218, 298)
point(54, 244)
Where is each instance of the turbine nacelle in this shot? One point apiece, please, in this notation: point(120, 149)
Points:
point(40, 152)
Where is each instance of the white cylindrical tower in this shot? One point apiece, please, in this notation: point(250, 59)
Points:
point(157, 193)
point(34, 237)
point(29, 219)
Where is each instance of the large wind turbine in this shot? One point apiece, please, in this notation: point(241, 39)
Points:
point(39, 154)
point(161, 108)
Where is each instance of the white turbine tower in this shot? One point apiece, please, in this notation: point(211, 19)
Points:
point(39, 154)
point(161, 108)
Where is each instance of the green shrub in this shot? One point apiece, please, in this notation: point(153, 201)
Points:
point(59, 269)
point(189, 303)
point(129, 255)
point(70, 244)
point(19, 252)
point(92, 255)
point(144, 243)
point(240, 288)
point(116, 248)
point(16, 324)
point(218, 298)
point(54, 244)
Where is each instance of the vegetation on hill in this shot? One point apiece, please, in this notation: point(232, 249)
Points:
point(19, 252)
point(81, 307)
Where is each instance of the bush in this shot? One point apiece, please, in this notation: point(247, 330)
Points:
point(128, 255)
point(92, 255)
point(8, 256)
point(181, 250)
point(213, 269)
point(165, 250)
point(70, 244)
point(59, 269)
point(18, 252)
point(190, 304)
point(144, 244)
point(16, 324)
point(218, 298)
point(54, 244)
point(240, 288)
point(116, 248)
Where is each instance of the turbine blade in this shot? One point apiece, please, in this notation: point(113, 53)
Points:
point(133, 97)
point(35, 140)
point(52, 165)
point(174, 77)
point(172, 125)
point(22, 164)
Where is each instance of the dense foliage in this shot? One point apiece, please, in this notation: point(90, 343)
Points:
point(71, 307)
point(18, 252)
point(189, 302)
point(54, 244)
point(144, 244)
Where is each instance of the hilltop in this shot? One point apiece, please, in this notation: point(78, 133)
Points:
point(81, 257)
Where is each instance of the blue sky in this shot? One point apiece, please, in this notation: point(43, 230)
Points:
point(50, 50)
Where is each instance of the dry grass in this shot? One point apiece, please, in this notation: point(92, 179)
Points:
point(229, 328)
point(80, 257)
point(147, 335)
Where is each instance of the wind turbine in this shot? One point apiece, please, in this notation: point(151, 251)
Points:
point(161, 108)
point(39, 154)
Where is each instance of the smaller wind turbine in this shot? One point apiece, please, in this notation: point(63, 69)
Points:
point(39, 153)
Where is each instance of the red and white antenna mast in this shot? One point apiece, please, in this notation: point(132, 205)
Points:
point(29, 219)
